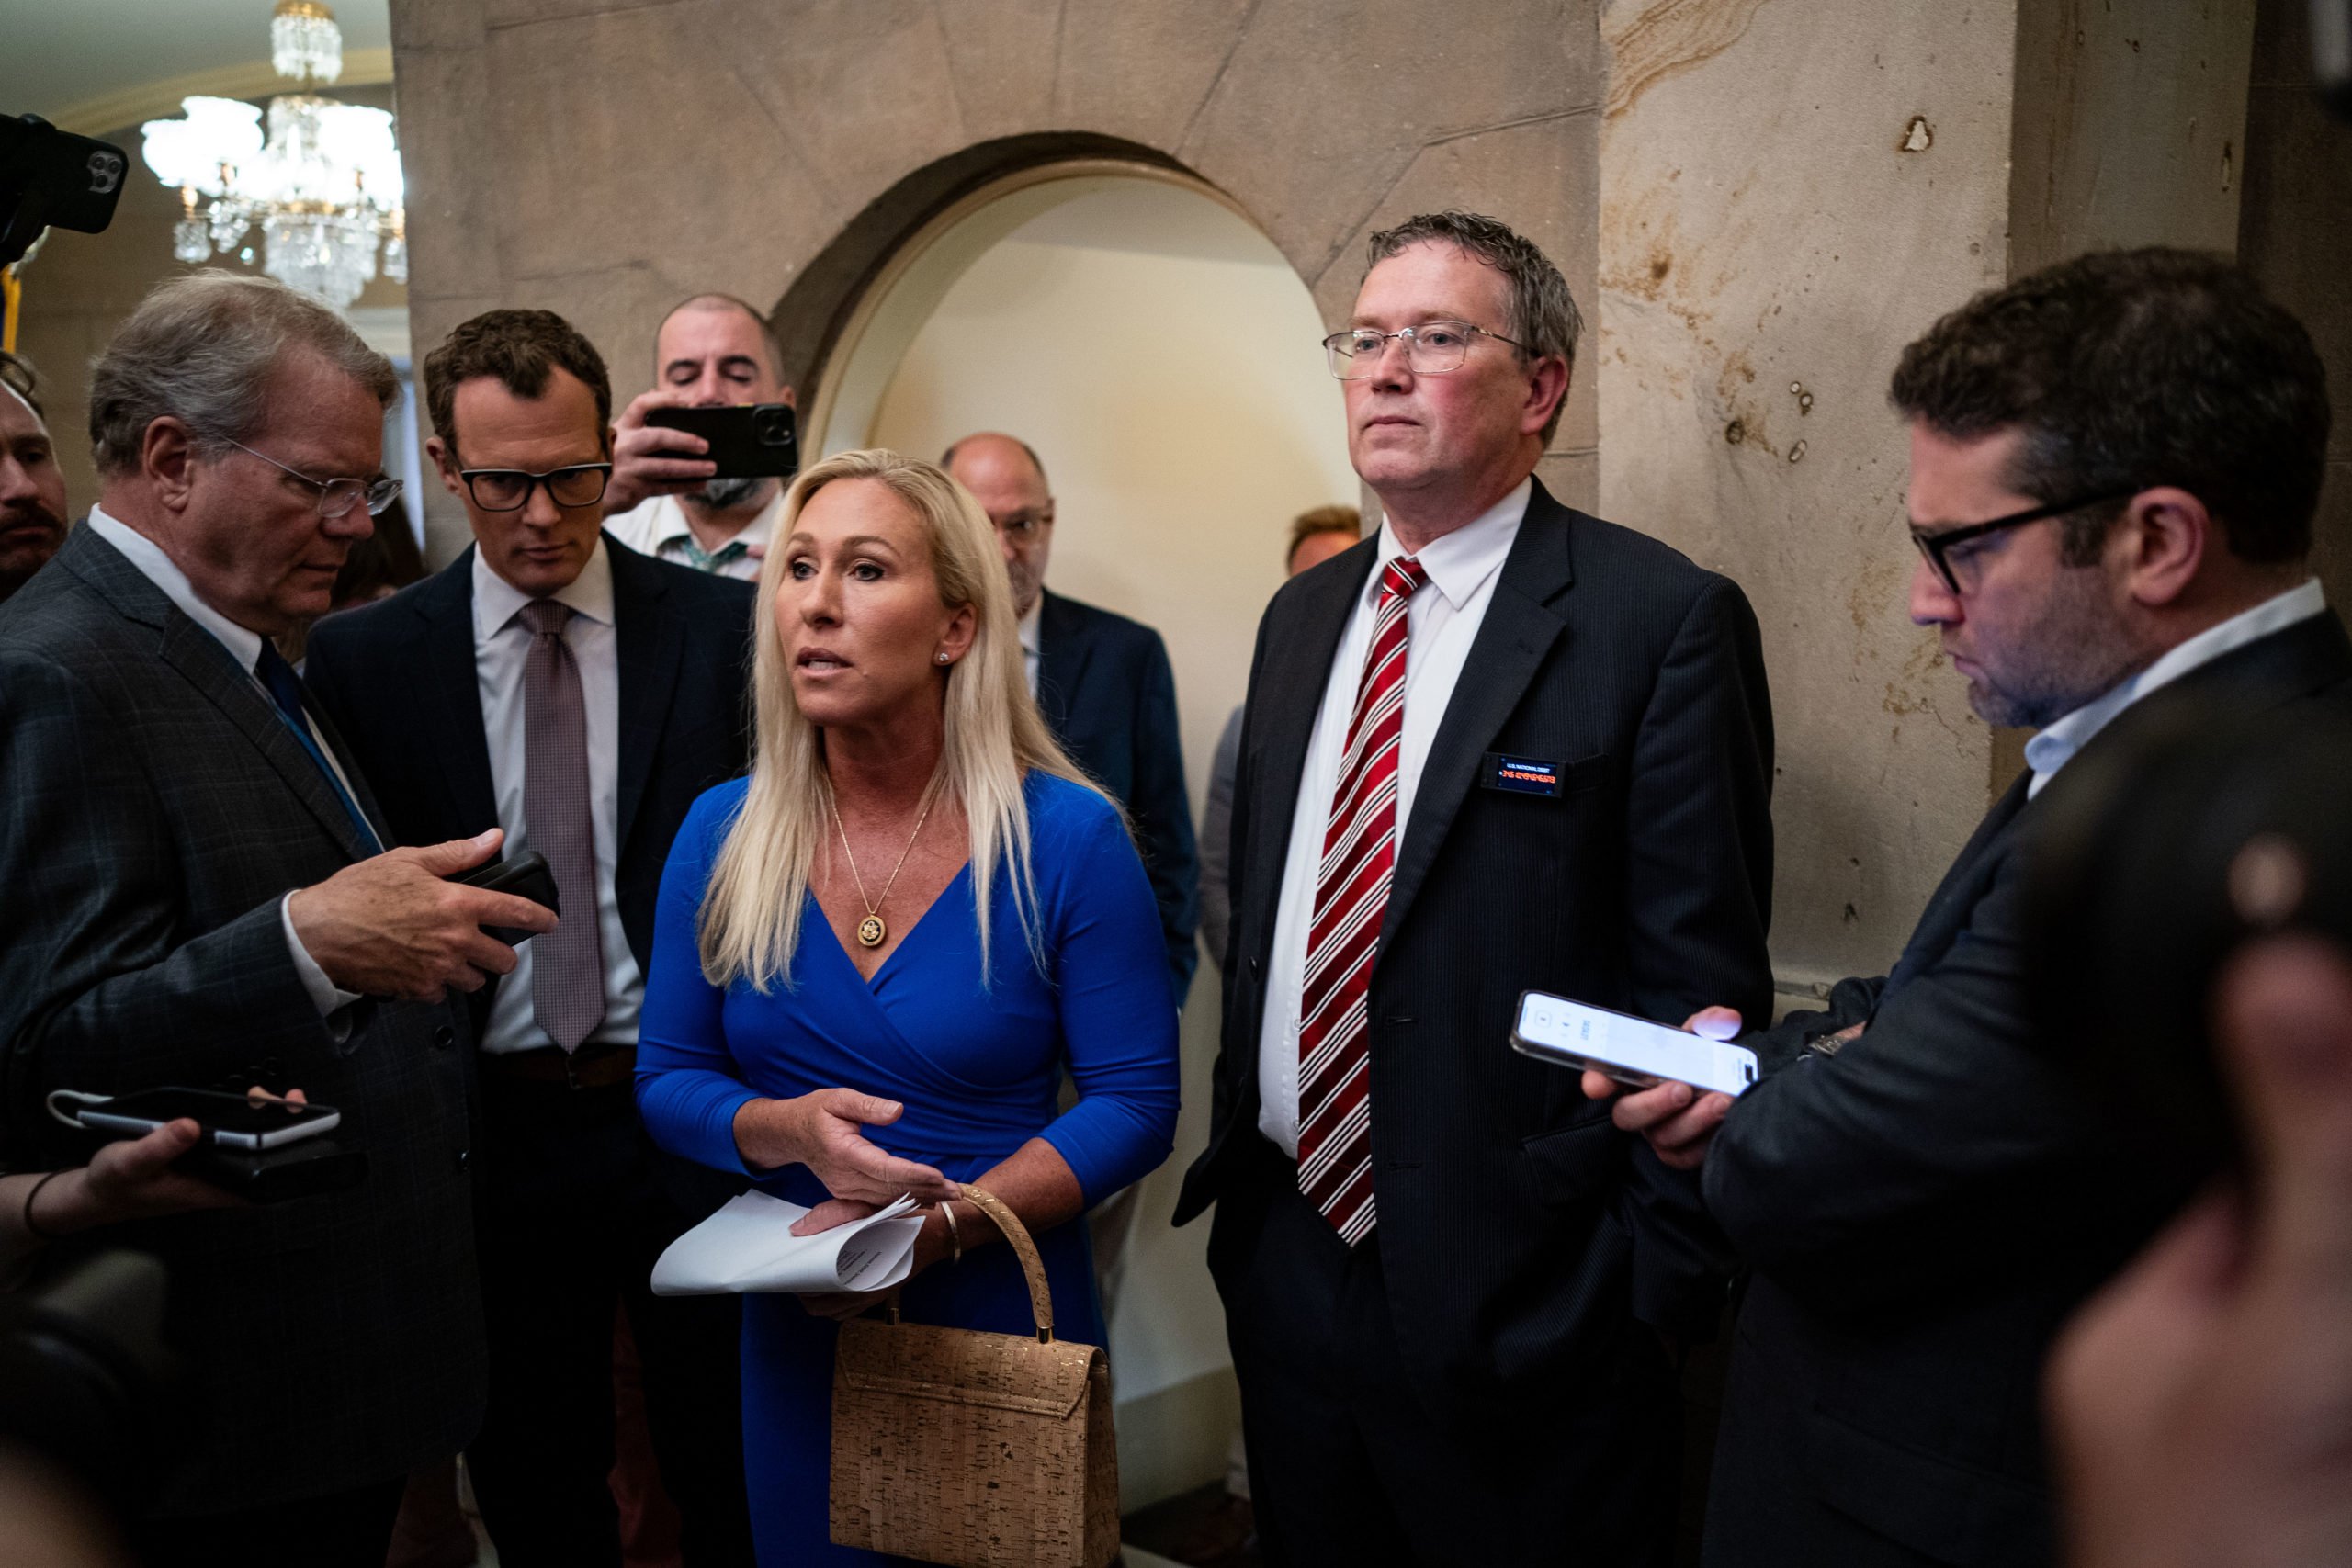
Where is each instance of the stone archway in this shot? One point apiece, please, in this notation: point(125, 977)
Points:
point(605, 158)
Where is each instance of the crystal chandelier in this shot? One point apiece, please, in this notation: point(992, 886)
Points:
point(322, 185)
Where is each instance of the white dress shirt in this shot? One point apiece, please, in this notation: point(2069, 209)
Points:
point(1442, 621)
point(244, 645)
point(1030, 643)
point(501, 644)
point(2055, 746)
point(658, 527)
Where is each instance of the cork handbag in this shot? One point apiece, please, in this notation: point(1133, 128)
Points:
point(974, 1449)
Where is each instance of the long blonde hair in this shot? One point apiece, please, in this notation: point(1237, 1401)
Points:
point(750, 926)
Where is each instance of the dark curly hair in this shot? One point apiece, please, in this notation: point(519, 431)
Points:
point(2131, 369)
point(521, 348)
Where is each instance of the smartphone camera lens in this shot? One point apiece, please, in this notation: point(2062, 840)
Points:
point(772, 426)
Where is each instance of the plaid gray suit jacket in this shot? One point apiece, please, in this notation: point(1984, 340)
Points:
point(154, 811)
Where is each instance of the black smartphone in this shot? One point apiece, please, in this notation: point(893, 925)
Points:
point(230, 1119)
point(526, 875)
point(274, 1176)
point(747, 441)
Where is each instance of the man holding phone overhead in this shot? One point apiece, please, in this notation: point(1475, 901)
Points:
point(667, 499)
point(2114, 466)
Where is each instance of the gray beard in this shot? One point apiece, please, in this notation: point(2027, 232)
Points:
point(725, 495)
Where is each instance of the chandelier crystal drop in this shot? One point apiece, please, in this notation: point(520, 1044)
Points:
point(321, 181)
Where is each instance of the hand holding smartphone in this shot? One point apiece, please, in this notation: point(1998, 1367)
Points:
point(1630, 1050)
point(232, 1121)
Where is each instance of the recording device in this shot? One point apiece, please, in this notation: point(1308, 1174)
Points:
point(2152, 867)
point(526, 875)
point(1631, 1050)
point(747, 441)
point(232, 1120)
point(51, 179)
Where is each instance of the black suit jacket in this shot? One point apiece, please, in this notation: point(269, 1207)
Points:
point(1923, 1210)
point(155, 810)
point(1520, 1232)
point(399, 678)
point(1106, 691)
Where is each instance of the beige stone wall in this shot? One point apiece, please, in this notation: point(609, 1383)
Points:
point(1791, 191)
point(604, 157)
point(2295, 233)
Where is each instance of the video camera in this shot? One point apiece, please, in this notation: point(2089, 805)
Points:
point(50, 179)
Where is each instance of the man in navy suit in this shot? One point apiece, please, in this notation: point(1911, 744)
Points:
point(1102, 681)
point(578, 696)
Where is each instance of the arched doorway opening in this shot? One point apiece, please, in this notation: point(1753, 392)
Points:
point(1144, 335)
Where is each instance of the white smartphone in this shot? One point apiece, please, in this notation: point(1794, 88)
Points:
point(230, 1119)
point(1631, 1050)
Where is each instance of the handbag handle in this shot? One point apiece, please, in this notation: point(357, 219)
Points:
point(1041, 1300)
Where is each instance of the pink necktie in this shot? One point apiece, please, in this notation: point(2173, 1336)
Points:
point(567, 962)
point(1351, 894)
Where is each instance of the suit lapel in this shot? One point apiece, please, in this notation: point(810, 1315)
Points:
point(1963, 886)
point(649, 643)
point(206, 665)
point(1062, 655)
point(449, 702)
point(1517, 634)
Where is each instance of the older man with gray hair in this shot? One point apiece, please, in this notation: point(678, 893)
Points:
point(200, 892)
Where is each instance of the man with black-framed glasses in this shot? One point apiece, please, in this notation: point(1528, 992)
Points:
point(2114, 468)
point(557, 685)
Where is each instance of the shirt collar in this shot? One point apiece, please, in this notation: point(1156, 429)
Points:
point(497, 601)
point(2062, 738)
point(1460, 562)
point(670, 523)
point(1029, 633)
point(242, 642)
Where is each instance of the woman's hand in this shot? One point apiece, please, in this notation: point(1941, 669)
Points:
point(930, 1245)
point(824, 1130)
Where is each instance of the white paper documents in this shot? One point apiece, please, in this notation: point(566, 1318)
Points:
point(749, 1245)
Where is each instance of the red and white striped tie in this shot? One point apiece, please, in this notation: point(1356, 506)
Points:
point(1351, 894)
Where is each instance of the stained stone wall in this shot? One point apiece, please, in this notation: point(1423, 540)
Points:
point(1791, 191)
point(604, 157)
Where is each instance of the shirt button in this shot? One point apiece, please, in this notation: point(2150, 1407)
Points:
point(444, 1037)
point(465, 1161)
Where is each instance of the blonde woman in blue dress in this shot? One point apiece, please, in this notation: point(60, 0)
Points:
point(876, 956)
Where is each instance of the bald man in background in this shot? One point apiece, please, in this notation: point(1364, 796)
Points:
point(32, 487)
point(1104, 684)
point(1102, 681)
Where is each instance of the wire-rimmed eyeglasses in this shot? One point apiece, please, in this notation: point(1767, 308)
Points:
point(1432, 348)
point(337, 496)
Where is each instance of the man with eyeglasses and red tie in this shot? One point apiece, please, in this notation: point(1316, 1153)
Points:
point(2115, 462)
point(557, 686)
point(201, 893)
point(1498, 745)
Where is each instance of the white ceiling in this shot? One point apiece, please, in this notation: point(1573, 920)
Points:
point(61, 53)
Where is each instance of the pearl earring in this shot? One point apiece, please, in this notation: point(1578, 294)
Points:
point(943, 658)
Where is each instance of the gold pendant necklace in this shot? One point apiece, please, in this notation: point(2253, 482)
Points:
point(871, 932)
